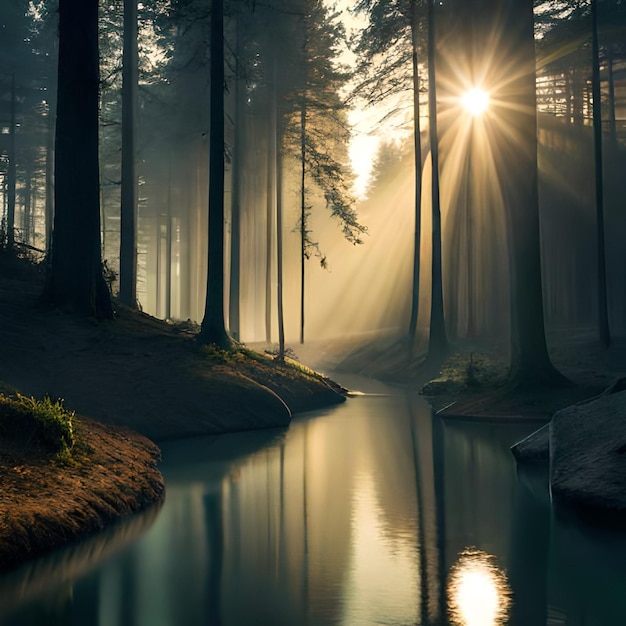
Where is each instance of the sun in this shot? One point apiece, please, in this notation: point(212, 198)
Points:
point(475, 101)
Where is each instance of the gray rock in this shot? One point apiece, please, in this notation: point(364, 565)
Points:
point(535, 447)
point(588, 452)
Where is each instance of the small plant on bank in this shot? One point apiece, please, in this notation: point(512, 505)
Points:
point(110, 275)
point(274, 352)
point(217, 354)
point(44, 421)
point(471, 376)
point(461, 371)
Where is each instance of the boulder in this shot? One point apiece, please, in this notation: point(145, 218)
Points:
point(588, 452)
point(535, 447)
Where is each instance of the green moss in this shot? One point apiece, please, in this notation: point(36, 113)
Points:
point(46, 422)
point(463, 370)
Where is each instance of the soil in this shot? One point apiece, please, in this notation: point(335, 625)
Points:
point(46, 502)
point(144, 373)
point(133, 371)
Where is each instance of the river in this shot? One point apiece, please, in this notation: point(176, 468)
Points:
point(373, 512)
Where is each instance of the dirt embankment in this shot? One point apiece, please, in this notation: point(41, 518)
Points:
point(134, 371)
point(144, 373)
point(46, 502)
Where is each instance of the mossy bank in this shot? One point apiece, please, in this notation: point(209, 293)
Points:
point(64, 477)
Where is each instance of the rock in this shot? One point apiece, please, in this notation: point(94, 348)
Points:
point(535, 447)
point(588, 452)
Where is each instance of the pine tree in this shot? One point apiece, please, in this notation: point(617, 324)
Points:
point(75, 279)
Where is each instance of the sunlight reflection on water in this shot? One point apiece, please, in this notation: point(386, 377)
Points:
point(360, 515)
point(478, 591)
point(377, 564)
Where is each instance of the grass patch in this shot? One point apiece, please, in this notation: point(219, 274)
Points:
point(256, 363)
point(467, 370)
point(46, 423)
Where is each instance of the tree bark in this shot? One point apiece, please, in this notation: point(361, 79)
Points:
point(438, 341)
point(612, 118)
point(49, 207)
point(603, 313)
point(417, 156)
point(129, 191)
point(515, 136)
point(269, 213)
point(12, 170)
point(279, 223)
point(303, 217)
point(279, 253)
point(27, 222)
point(213, 329)
point(235, 221)
point(75, 279)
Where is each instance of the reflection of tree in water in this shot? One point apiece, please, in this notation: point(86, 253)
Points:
point(421, 518)
point(215, 545)
point(47, 585)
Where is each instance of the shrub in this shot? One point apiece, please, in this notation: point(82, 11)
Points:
point(43, 421)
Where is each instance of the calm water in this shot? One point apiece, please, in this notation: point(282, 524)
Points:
point(373, 512)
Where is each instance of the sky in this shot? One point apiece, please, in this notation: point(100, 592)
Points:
point(365, 140)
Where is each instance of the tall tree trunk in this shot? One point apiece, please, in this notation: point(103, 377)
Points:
point(612, 118)
point(279, 245)
point(438, 341)
point(271, 198)
point(168, 253)
point(49, 207)
point(129, 191)
point(516, 137)
point(12, 170)
point(27, 221)
point(603, 313)
point(236, 183)
point(569, 96)
point(303, 216)
point(471, 271)
point(418, 166)
point(269, 221)
point(157, 265)
point(213, 329)
point(75, 279)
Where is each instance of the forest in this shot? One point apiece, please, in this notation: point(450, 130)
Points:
point(423, 198)
point(304, 85)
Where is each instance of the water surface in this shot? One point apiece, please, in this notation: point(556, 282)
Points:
point(373, 512)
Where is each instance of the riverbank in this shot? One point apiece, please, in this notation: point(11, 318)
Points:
point(472, 380)
point(145, 373)
point(131, 372)
point(48, 501)
point(580, 454)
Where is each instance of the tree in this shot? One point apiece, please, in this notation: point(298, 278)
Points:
point(603, 314)
point(15, 59)
point(438, 342)
point(275, 193)
point(74, 278)
point(129, 191)
point(392, 38)
point(515, 138)
point(213, 329)
point(236, 178)
point(28, 55)
point(12, 170)
point(318, 134)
